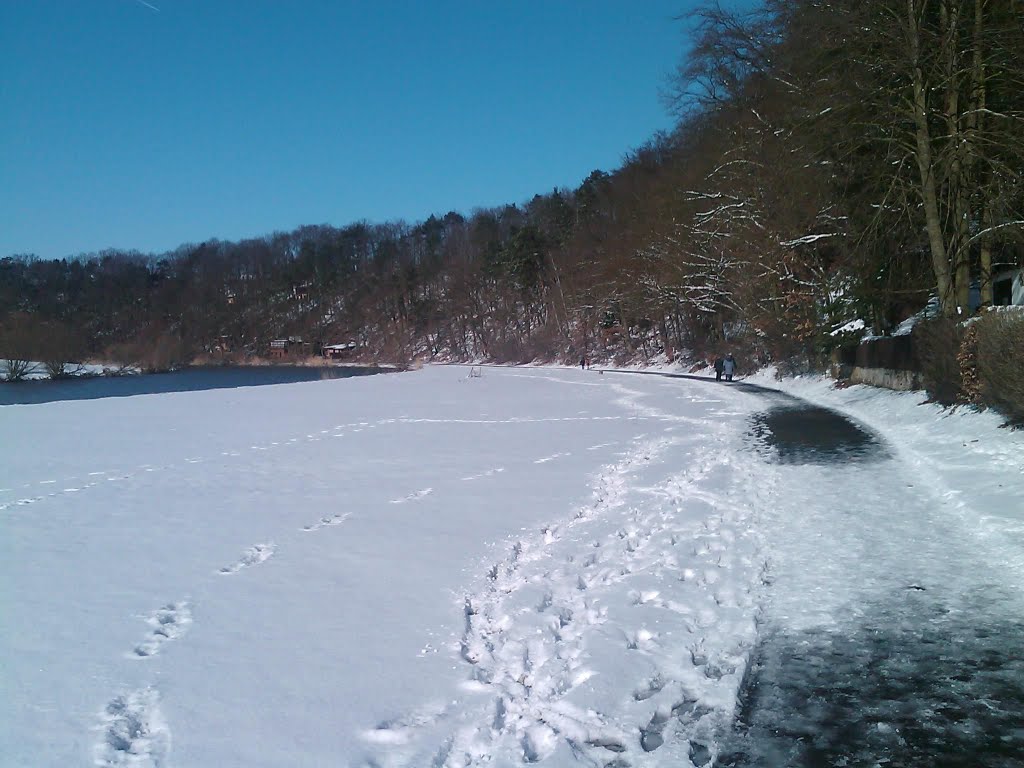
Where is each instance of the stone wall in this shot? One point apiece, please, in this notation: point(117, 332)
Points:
point(889, 378)
point(890, 362)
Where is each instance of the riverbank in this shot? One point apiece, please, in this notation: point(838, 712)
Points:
point(190, 379)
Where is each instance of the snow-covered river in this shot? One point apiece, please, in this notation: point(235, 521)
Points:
point(532, 565)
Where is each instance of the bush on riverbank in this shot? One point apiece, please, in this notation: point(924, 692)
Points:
point(1000, 362)
point(938, 340)
point(980, 362)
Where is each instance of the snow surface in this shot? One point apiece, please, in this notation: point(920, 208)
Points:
point(428, 569)
point(37, 371)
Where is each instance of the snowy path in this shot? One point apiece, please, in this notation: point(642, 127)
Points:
point(426, 569)
point(889, 634)
point(630, 617)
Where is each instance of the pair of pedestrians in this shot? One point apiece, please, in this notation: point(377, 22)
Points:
point(726, 367)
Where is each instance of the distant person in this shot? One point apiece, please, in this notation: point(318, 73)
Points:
point(719, 367)
point(729, 366)
point(583, 362)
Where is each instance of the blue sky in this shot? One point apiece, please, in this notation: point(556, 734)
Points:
point(127, 127)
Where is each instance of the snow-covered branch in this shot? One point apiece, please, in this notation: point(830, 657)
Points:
point(807, 239)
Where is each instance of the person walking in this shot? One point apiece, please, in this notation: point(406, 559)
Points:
point(729, 366)
point(719, 367)
point(583, 362)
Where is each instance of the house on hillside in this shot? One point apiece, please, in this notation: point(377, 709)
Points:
point(278, 348)
point(293, 346)
point(1008, 287)
point(335, 351)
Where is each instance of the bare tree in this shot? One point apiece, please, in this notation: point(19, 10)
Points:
point(19, 338)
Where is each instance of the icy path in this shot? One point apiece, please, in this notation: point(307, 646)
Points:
point(892, 630)
point(889, 636)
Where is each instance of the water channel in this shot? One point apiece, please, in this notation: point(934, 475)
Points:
point(185, 380)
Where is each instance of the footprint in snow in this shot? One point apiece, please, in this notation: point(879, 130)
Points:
point(167, 623)
point(651, 736)
point(653, 686)
point(641, 639)
point(552, 457)
point(400, 730)
point(488, 473)
point(323, 522)
point(414, 496)
point(254, 555)
point(133, 731)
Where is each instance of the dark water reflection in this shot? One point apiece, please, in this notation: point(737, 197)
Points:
point(187, 380)
point(793, 431)
point(806, 434)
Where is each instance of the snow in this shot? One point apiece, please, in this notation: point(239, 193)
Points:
point(37, 370)
point(533, 565)
point(850, 327)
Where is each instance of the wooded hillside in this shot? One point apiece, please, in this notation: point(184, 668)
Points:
point(833, 160)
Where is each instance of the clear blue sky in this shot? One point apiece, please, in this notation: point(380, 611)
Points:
point(123, 126)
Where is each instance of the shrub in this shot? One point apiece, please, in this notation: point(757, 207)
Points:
point(13, 369)
point(57, 346)
point(166, 353)
point(20, 335)
point(967, 359)
point(938, 341)
point(1001, 362)
point(125, 356)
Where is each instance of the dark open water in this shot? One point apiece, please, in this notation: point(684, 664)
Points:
point(187, 380)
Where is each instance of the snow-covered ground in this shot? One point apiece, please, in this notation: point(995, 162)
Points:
point(432, 569)
point(37, 370)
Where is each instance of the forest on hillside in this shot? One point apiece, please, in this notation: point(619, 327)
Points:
point(832, 161)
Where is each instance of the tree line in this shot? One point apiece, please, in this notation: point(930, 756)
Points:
point(832, 160)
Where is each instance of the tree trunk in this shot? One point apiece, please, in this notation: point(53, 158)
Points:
point(957, 250)
point(975, 124)
point(925, 164)
point(985, 257)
